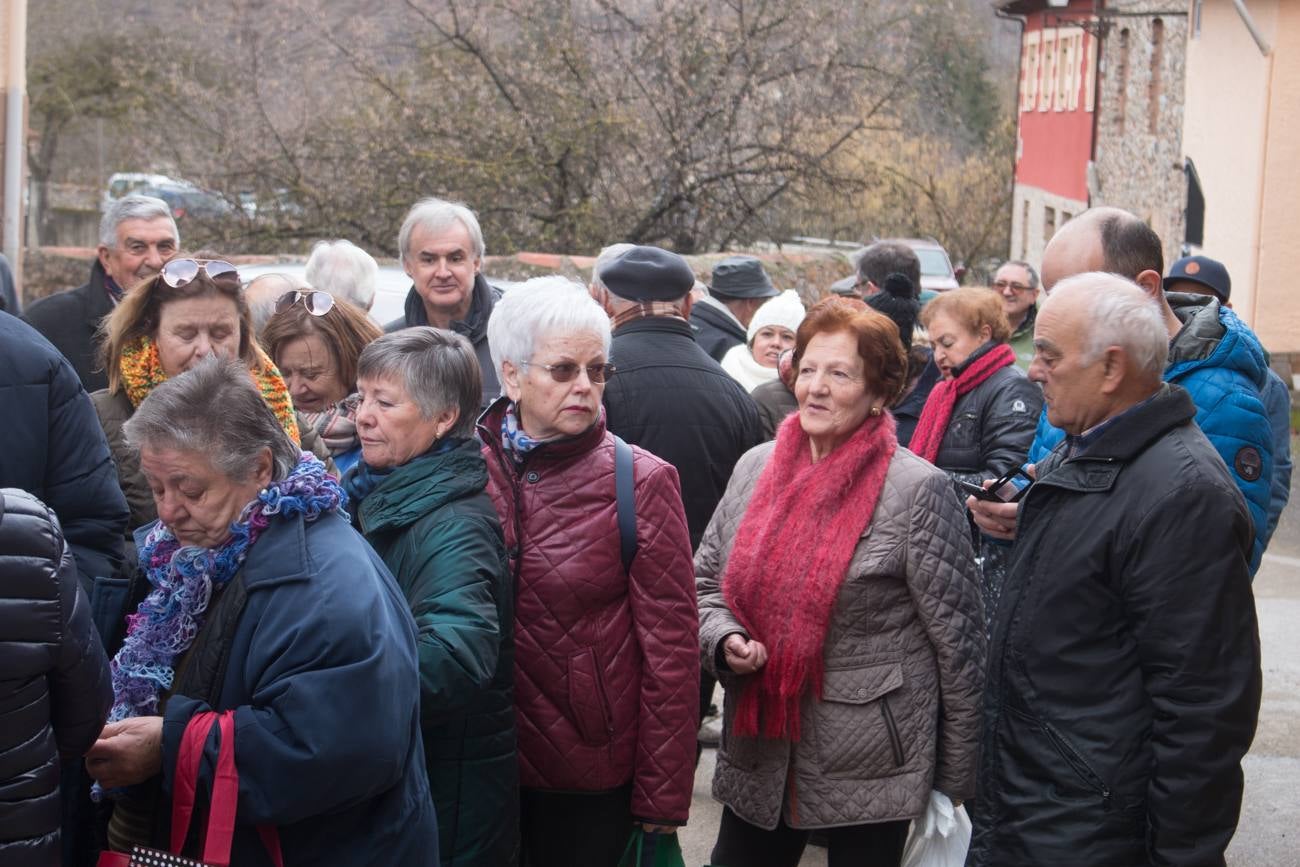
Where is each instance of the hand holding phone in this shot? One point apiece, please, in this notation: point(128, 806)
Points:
point(1008, 489)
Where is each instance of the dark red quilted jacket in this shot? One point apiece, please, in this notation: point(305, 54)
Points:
point(606, 663)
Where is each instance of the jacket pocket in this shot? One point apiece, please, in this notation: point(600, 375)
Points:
point(588, 704)
point(856, 732)
point(1070, 754)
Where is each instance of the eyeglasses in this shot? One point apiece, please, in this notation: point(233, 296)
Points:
point(1014, 287)
point(567, 370)
point(317, 303)
point(181, 272)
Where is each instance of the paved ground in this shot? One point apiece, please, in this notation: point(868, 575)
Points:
point(1269, 832)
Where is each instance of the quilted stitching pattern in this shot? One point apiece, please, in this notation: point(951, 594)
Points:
point(910, 603)
point(582, 626)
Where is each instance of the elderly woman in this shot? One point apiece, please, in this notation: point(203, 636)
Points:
point(265, 602)
point(606, 678)
point(980, 418)
point(840, 607)
point(192, 309)
point(419, 496)
point(770, 332)
point(315, 341)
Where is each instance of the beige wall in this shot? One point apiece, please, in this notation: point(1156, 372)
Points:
point(1277, 305)
point(1241, 123)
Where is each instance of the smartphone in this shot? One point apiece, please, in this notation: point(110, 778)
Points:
point(1008, 489)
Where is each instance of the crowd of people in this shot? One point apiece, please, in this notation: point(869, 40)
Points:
point(466, 582)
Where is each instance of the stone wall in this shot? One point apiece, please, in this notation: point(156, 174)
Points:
point(1139, 167)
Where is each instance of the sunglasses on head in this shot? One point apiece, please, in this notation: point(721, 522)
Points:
point(567, 370)
point(180, 272)
point(317, 303)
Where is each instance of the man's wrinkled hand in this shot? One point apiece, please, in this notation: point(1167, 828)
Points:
point(127, 752)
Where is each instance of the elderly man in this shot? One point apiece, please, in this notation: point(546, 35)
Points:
point(1203, 276)
point(1212, 354)
point(1017, 283)
point(740, 286)
point(883, 258)
point(136, 236)
point(669, 397)
point(1124, 669)
point(442, 250)
point(345, 271)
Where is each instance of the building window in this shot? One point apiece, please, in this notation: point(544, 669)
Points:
point(1024, 229)
point(1049, 224)
point(1029, 68)
point(1090, 76)
point(1121, 79)
point(1047, 89)
point(1157, 64)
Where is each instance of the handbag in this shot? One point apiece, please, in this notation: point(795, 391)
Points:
point(651, 850)
point(219, 834)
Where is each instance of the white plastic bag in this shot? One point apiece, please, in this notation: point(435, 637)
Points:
point(940, 836)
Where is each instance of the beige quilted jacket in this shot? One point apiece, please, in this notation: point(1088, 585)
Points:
point(904, 652)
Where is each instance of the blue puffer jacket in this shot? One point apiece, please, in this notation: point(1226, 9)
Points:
point(1220, 362)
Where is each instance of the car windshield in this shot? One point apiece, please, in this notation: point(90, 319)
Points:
point(934, 263)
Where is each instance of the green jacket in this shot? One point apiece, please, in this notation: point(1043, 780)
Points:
point(434, 526)
point(1022, 340)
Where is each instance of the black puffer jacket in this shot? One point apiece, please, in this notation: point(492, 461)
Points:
point(55, 690)
point(991, 426)
point(54, 448)
point(1123, 677)
point(673, 400)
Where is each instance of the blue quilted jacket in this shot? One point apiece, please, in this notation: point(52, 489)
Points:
point(1220, 362)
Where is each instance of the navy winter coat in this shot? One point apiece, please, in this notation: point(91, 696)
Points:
point(321, 672)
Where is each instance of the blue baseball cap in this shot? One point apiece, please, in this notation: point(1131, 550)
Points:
point(1210, 273)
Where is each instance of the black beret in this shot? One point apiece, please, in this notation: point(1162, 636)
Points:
point(742, 277)
point(648, 274)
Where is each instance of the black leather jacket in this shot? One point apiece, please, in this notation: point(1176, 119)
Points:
point(1123, 671)
point(55, 691)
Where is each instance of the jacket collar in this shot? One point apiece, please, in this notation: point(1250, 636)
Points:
point(656, 325)
point(1202, 331)
point(426, 483)
point(98, 304)
point(716, 313)
point(1125, 439)
point(1026, 327)
point(473, 326)
point(489, 431)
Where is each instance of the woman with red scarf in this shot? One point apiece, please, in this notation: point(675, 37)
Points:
point(840, 609)
point(979, 420)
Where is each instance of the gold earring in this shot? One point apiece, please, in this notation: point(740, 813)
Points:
point(875, 410)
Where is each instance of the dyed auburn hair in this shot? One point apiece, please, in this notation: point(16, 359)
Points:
point(345, 331)
point(883, 358)
point(140, 311)
point(972, 307)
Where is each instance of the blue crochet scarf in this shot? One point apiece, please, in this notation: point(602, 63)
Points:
point(184, 577)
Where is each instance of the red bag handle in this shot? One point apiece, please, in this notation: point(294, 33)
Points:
point(220, 832)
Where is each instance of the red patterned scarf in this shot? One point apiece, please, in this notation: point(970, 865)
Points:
point(933, 423)
point(791, 554)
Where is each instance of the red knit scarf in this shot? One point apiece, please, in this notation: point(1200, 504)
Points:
point(933, 423)
point(790, 556)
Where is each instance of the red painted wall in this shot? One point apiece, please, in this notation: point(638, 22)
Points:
point(1056, 144)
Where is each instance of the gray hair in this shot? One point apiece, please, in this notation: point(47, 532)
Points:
point(134, 207)
point(1119, 314)
point(607, 255)
point(344, 270)
point(435, 215)
point(214, 409)
point(537, 307)
point(438, 369)
point(1029, 269)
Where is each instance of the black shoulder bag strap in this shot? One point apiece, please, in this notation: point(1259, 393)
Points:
point(625, 502)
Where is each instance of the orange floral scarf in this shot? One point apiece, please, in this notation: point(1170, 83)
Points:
point(142, 372)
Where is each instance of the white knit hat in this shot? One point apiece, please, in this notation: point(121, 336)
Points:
point(785, 310)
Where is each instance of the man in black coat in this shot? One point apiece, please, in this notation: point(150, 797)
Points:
point(1124, 666)
point(55, 689)
point(739, 287)
point(669, 396)
point(442, 251)
point(137, 235)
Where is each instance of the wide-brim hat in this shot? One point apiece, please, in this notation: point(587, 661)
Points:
point(742, 277)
